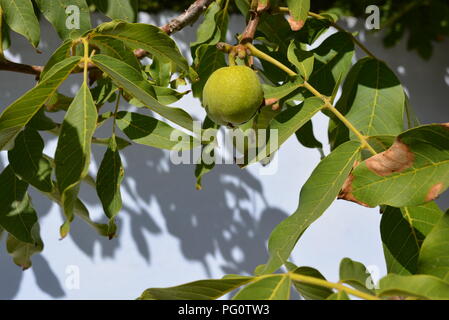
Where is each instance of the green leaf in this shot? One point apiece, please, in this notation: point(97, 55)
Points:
point(207, 29)
point(287, 123)
point(57, 13)
point(63, 52)
point(307, 138)
point(434, 254)
point(326, 181)
point(275, 287)
point(308, 291)
point(403, 231)
point(341, 295)
point(154, 133)
point(302, 60)
point(299, 11)
point(202, 167)
point(355, 274)
point(133, 82)
point(40, 122)
point(17, 216)
point(20, 112)
point(198, 290)
point(415, 170)
point(21, 252)
point(73, 152)
point(27, 161)
point(279, 92)
point(109, 178)
point(375, 99)
point(143, 36)
point(333, 60)
point(418, 286)
point(160, 71)
point(116, 49)
point(119, 9)
point(20, 17)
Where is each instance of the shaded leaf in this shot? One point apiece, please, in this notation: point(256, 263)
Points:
point(307, 138)
point(17, 216)
point(202, 167)
point(434, 254)
point(72, 156)
point(333, 60)
point(27, 161)
point(403, 231)
point(21, 252)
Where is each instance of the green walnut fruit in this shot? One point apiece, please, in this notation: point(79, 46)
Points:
point(232, 95)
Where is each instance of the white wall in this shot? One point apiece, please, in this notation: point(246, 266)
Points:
point(170, 233)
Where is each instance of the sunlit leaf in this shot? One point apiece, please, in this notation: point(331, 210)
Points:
point(20, 112)
point(152, 132)
point(299, 11)
point(375, 99)
point(356, 275)
point(143, 36)
point(415, 170)
point(326, 181)
point(419, 286)
point(133, 82)
point(109, 178)
point(198, 290)
point(275, 287)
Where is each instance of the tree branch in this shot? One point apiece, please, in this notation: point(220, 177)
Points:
point(7, 65)
point(187, 18)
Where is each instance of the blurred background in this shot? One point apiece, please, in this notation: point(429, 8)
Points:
point(170, 233)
